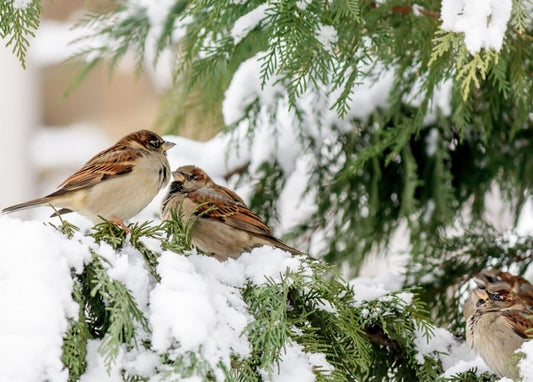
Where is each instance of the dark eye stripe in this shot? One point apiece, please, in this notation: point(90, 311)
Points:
point(155, 143)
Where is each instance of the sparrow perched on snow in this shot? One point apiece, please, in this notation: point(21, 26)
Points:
point(116, 183)
point(494, 279)
point(497, 328)
point(225, 227)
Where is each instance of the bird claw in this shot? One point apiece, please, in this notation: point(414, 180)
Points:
point(119, 222)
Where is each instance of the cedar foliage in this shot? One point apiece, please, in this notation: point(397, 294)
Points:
point(393, 167)
point(18, 25)
point(289, 311)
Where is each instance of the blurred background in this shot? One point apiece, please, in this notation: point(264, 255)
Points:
point(47, 133)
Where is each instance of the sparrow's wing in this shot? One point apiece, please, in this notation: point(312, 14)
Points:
point(225, 205)
point(519, 321)
point(105, 165)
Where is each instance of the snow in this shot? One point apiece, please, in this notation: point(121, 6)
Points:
point(302, 4)
point(454, 354)
point(245, 24)
point(327, 36)
point(35, 295)
point(21, 4)
point(462, 366)
point(96, 369)
point(483, 22)
point(295, 365)
point(246, 87)
point(197, 306)
point(210, 315)
point(526, 364)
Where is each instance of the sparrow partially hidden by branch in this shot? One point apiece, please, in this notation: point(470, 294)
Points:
point(225, 226)
point(497, 328)
point(495, 279)
point(116, 183)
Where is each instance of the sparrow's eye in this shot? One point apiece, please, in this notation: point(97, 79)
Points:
point(155, 143)
point(495, 297)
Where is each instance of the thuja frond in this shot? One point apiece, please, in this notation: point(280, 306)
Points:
point(145, 229)
point(110, 233)
point(127, 26)
point(270, 184)
point(123, 316)
point(18, 24)
point(316, 309)
point(185, 366)
point(323, 310)
point(179, 230)
point(66, 228)
point(75, 340)
point(270, 330)
point(471, 376)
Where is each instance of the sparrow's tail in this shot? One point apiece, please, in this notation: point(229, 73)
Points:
point(294, 251)
point(28, 204)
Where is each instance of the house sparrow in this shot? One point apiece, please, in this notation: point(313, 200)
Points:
point(494, 279)
point(225, 227)
point(498, 328)
point(116, 183)
point(516, 284)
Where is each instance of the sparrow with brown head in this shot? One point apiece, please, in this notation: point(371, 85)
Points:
point(498, 327)
point(116, 184)
point(225, 226)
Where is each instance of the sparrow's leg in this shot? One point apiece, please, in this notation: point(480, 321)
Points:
point(118, 221)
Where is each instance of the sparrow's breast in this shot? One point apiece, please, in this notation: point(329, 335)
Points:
point(126, 195)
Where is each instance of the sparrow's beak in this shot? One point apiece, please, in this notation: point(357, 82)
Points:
point(178, 176)
point(481, 293)
point(167, 145)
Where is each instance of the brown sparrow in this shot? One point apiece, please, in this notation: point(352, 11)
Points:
point(225, 227)
point(494, 279)
point(116, 183)
point(516, 284)
point(498, 328)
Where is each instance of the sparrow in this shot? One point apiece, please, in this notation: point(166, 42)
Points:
point(495, 279)
point(515, 283)
point(115, 184)
point(497, 328)
point(225, 226)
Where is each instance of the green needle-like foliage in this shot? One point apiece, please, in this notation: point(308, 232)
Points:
point(18, 25)
point(311, 307)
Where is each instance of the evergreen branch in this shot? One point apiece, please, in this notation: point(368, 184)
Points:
point(188, 365)
point(179, 230)
point(18, 25)
point(75, 341)
point(121, 310)
point(110, 233)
